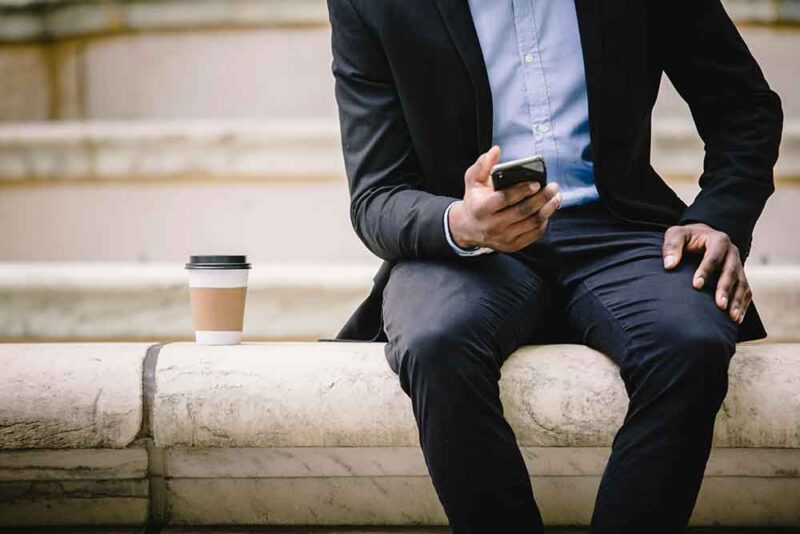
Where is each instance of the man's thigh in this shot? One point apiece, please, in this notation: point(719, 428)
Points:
point(628, 306)
point(494, 302)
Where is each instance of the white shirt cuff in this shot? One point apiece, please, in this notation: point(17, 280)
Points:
point(475, 251)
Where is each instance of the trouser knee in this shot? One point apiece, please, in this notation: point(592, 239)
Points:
point(691, 358)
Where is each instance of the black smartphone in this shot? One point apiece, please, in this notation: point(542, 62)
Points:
point(532, 169)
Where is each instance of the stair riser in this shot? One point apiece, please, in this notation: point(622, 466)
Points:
point(71, 303)
point(272, 222)
point(263, 73)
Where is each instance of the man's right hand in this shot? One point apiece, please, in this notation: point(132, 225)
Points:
point(505, 221)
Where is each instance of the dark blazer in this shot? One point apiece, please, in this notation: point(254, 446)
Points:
point(415, 109)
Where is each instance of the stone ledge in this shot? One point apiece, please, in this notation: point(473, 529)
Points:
point(409, 500)
point(70, 396)
point(132, 300)
point(157, 150)
point(73, 396)
point(320, 434)
point(317, 462)
point(74, 487)
point(344, 395)
point(73, 464)
point(360, 486)
point(32, 20)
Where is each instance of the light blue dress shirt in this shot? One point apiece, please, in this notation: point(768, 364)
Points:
point(532, 50)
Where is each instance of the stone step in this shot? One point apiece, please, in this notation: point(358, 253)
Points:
point(120, 59)
point(281, 151)
point(146, 180)
point(305, 222)
point(69, 301)
point(32, 20)
point(134, 301)
point(286, 434)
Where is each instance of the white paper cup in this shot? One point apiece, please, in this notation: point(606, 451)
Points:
point(218, 288)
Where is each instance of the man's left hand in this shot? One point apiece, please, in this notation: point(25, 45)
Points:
point(719, 254)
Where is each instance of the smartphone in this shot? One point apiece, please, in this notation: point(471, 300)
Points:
point(532, 169)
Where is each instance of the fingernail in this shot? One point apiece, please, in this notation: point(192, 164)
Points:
point(736, 314)
point(535, 186)
point(699, 281)
point(724, 300)
point(668, 261)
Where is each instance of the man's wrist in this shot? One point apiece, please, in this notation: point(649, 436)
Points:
point(455, 218)
point(459, 248)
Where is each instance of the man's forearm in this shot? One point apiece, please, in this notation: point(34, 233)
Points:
point(736, 113)
point(402, 224)
point(742, 142)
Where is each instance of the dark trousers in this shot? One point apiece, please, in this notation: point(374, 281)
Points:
point(593, 279)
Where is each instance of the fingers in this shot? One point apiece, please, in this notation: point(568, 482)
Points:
point(504, 237)
point(530, 206)
point(518, 193)
point(732, 293)
point(733, 290)
point(536, 222)
point(728, 279)
point(499, 200)
point(546, 211)
point(675, 239)
point(523, 240)
point(741, 300)
point(479, 173)
point(527, 207)
point(716, 251)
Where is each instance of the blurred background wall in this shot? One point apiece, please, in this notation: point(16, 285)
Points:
point(133, 133)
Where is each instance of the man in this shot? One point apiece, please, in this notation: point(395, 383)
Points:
point(433, 93)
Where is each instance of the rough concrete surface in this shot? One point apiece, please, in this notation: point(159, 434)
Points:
point(63, 396)
point(320, 434)
point(344, 394)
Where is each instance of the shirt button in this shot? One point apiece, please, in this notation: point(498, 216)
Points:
point(543, 127)
point(528, 58)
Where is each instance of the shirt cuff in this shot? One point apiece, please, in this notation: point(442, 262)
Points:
point(466, 252)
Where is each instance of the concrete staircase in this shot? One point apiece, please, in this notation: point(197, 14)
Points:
point(147, 130)
point(133, 133)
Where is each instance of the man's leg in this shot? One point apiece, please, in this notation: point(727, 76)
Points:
point(673, 346)
point(450, 326)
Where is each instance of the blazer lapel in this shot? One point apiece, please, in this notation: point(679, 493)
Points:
point(458, 20)
point(590, 27)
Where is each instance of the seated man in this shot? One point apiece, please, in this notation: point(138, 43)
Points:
point(606, 253)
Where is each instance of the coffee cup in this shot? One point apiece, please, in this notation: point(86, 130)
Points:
point(218, 289)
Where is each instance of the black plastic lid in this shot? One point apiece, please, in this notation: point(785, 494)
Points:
point(218, 262)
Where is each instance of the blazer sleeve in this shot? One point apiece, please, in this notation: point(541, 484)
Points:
point(737, 115)
point(389, 211)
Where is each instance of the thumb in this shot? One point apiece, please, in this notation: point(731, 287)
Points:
point(479, 173)
point(674, 240)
